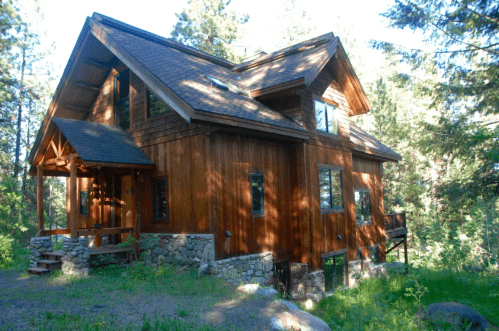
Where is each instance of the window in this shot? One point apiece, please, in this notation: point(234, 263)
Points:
point(326, 118)
point(374, 254)
point(363, 205)
point(257, 194)
point(154, 105)
point(334, 272)
point(84, 202)
point(161, 199)
point(121, 99)
point(331, 189)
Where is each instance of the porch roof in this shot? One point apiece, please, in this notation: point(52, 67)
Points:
point(102, 144)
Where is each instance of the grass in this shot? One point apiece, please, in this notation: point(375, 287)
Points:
point(382, 303)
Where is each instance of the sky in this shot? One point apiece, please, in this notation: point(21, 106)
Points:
point(360, 19)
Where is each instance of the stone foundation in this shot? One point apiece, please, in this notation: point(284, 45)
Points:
point(76, 256)
point(366, 268)
point(255, 268)
point(305, 285)
point(37, 246)
point(183, 249)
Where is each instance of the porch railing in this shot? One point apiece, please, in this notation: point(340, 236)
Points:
point(394, 221)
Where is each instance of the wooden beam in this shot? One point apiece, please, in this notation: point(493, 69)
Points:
point(59, 173)
point(135, 193)
point(77, 108)
point(56, 231)
point(118, 165)
point(73, 210)
point(394, 246)
point(39, 198)
point(98, 64)
point(86, 87)
point(105, 231)
point(62, 158)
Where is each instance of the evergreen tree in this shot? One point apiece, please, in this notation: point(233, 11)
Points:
point(209, 26)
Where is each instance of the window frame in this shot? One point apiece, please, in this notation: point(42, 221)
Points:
point(365, 222)
point(333, 208)
point(148, 103)
point(261, 212)
point(155, 198)
point(118, 100)
point(334, 256)
point(84, 203)
point(335, 112)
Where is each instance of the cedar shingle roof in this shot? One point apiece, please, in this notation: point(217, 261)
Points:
point(95, 142)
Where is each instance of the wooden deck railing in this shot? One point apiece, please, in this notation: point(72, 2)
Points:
point(394, 221)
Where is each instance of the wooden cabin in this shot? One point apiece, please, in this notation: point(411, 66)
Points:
point(158, 137)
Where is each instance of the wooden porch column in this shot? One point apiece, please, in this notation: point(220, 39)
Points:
point(39, 198)
point(73, 208)
point(135, 204)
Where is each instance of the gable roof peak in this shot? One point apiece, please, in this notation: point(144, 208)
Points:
point(106, 20)
point(305, 45)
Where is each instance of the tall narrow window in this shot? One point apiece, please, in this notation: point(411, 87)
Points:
point(161, 199)
point(154, 105)
point(363, 205)
point(334, 272)
point(374, 254)
point(122, 99)
point(326, 117)
point(84, 202)
point(257, 194)
point(331, 188)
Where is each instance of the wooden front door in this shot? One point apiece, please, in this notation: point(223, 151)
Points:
point(127, 191)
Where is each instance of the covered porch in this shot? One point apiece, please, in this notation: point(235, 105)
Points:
point(102, 165)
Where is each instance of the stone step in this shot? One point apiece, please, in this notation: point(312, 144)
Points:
point(51, 265)
point(38, 271)
point(55, 255)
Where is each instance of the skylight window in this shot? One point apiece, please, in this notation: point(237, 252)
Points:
point(218, 83)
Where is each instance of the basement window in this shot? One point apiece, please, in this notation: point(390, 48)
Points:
point(154, 105)
point(335, 271)
point(363, 206)
point(160, 199)
point(326, 117)
point(256, 181)
point(84, 202)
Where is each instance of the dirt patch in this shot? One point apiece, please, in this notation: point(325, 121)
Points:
point(25, 298)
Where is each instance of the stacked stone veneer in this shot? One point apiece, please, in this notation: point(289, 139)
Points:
point(76, 256)
point(184, 249)
point(306, 285)
point(38, 246)
point(366, 269)
point(255, 268)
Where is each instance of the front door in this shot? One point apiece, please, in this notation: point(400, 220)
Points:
point(126, 204)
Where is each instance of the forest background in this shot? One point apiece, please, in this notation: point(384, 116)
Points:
point(438, 106)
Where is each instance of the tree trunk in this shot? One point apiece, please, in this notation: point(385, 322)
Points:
point(20, 111)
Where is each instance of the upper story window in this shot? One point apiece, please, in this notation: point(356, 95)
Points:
point(84, 202)
point(257, 194)
point(363, 205)
point(326, 117)
point(331, 188)
point(154, 105)
point(122, 99)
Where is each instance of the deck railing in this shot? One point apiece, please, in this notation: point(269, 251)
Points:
point(394, 221)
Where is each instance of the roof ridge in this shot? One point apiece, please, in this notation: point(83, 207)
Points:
point(109, 21)
point(317, 41)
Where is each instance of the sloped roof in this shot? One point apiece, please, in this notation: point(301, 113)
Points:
point(364, 142)
point(101, 143)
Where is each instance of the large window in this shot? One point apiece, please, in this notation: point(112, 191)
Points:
point(326, 117)
point(331, 188)
point(161, 199)
point(84, 202)
point(334, 271)
point(362, 205)
point(122, 99)
point(154, 105)
point(257, 194)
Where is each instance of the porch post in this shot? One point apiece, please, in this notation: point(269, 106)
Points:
point(73, 210)
point(39, 198)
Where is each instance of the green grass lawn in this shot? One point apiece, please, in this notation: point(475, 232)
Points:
point(382, 303)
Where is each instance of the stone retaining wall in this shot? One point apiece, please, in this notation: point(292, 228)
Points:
point(184, 249)
point(255, 268)
point(305, 285)
point(76, 256)
point(37, 246)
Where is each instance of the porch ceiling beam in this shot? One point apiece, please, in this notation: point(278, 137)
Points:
point(62, 158)
point(87, 87)
point(77, 108)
